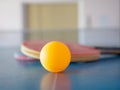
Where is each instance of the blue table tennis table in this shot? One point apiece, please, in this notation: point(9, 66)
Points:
point(103, 74)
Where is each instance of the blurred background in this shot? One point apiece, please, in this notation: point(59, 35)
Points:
point(89, 22)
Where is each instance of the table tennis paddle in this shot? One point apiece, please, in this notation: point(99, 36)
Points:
point(79, 53)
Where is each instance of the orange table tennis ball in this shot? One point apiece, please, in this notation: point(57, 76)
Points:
point(55, 56)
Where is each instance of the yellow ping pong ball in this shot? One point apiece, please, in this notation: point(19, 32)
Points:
point(55, 56)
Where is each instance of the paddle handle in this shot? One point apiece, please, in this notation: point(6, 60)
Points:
point(109, 50)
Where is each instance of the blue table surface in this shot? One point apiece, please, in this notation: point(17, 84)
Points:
point(103, 74)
